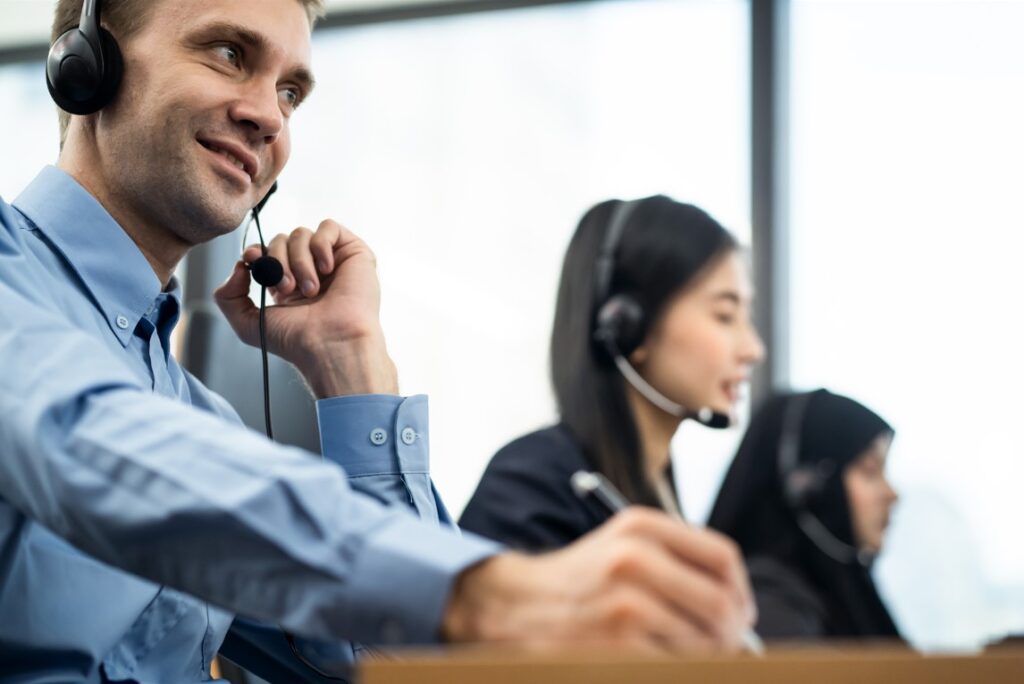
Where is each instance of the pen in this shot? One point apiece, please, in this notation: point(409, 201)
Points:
point(595, 485)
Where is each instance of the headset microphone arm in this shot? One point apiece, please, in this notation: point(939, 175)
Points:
point(704, 416)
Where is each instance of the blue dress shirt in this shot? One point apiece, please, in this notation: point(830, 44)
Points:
point(138, 516)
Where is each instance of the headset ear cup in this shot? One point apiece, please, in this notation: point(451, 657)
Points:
point(70, 76)
point(799, 487)
point(73, 77)
point(113, 65)
point(807, 483)
point(620, 321)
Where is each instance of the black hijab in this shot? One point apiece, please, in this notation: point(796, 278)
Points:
point(753, 509)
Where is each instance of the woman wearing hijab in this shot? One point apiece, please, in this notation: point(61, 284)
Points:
point(807, 500)
point(652, 327)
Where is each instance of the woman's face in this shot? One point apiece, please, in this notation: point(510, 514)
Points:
point(870, 494)
point(700, 352)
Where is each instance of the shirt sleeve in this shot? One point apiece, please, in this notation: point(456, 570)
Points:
point(382, 444)
point(184, 498)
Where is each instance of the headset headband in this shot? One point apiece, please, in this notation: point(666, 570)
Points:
point(604, 267)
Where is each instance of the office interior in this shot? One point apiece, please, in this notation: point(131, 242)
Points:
point(866, 154)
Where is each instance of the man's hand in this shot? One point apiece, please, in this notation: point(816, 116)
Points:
point(642, 581)
point(326, 314)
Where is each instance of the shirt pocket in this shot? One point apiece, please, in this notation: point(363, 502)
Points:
point(154, 623)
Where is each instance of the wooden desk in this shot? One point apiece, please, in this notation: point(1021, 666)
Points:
point(796, 666)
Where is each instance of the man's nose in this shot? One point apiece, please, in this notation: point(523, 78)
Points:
point(258, 110)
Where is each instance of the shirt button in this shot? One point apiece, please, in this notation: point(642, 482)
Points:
point(378, 436)
point(408, 435)
point(122, 322)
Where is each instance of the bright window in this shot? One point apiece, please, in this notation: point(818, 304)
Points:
point(30, 119)
point(465, 150)
point(907, 175)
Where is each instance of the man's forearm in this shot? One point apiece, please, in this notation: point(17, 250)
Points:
point(359, 366)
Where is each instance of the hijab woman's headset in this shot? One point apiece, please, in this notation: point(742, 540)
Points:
point(83, 71)
point(802, 484)
point(621, 322)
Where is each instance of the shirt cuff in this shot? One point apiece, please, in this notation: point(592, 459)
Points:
point(375, 434)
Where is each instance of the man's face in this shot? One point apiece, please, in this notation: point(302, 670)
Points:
point(199, 130)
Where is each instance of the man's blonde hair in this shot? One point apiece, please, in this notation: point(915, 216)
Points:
point(125, 18)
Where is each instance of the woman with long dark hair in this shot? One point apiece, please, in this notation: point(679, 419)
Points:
point(652, 326)
point(807, 500)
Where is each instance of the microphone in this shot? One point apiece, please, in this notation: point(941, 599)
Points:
point(266, 271)
point(713, 419)
point(705, 416)
point(259, 207)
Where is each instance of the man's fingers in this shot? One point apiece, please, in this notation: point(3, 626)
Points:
point(301, 262)
point(252, 253)
point(307, 257)
point(345, 244)
point(278, 248)
point(323, 243)
point(233, 299)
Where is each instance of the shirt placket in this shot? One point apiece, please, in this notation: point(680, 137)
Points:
point(159, 371)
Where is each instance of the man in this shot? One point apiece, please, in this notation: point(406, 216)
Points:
point(138, 518)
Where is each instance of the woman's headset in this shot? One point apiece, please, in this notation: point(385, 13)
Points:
point(803, 484)
point(620, 323)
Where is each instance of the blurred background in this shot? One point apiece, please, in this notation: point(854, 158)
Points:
point(869, 154)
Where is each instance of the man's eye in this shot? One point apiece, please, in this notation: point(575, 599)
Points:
point(290, 97)
point(230, 53)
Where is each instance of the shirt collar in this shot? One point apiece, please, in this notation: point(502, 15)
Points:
point(105, 258)
point(161, 318)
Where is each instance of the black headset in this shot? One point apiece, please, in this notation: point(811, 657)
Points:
point(802, 485)
point(619, 321)
point(84, 66)
point(267, 272)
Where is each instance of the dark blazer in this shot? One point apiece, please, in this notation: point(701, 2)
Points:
point(525, 500)
point(788, 605)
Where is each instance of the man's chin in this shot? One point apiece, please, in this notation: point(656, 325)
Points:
point(209, 223)
point(228, 199)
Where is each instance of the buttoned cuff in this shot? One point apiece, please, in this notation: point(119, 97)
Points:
point(375, 434)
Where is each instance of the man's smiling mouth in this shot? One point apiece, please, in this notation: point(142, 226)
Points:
point(237, 157)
